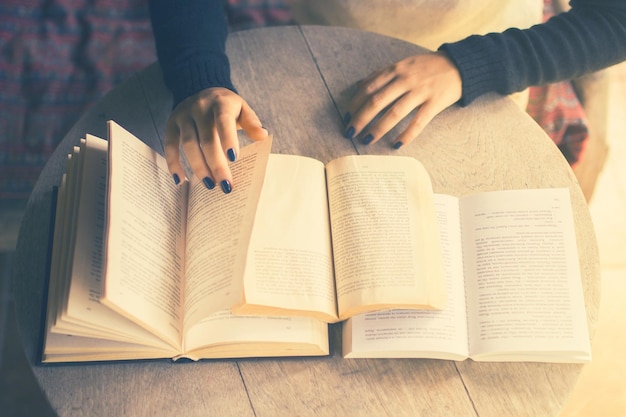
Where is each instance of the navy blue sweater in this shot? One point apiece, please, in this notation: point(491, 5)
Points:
point(190, 38)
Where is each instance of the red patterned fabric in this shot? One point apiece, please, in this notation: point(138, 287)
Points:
point(556, 108)
point(247, 14)
point(558, 111)
point(58, 58)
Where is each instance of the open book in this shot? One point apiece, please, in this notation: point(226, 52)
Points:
point(142, 268)
point(514, 287)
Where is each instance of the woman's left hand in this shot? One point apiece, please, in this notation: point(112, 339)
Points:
point(429, 83)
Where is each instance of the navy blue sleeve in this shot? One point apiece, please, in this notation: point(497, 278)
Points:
point(589, 37)
point(190, 38)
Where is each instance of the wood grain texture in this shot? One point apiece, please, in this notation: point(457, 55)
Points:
point(274, 70)
point(334, 386)
point(148, 389)
point(338, 387)
point(299, 80)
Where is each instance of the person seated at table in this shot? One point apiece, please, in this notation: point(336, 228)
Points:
point(588, 37)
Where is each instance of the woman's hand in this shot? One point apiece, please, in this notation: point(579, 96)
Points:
point(429, 83)
point(206, 125)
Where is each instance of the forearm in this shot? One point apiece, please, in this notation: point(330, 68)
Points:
point(190, 37)
point(591, 36)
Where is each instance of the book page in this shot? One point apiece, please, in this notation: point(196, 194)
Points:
point(289, 270)
point(85, 260)
point(81, 312)
point(73, 191)
point(522, 275)
point(420, 334)
point(225, 335)
point(218, 235)
point(146, 217)
point(384, 233)
point(60, 267)
point(65, 348)
point(60, 250)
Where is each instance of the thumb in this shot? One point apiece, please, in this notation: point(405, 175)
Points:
point(251, 124)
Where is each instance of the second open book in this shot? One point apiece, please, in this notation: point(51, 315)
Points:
point(513, 281)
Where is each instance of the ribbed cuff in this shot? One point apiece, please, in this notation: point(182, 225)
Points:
point(193, 77)
point(481, 70)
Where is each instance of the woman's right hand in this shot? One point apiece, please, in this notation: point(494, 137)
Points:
point(206, 125)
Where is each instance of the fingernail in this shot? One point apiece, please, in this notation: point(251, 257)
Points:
point(397, 145)
point(346, 118)
point(368, 139)
point(350, 132)
point(208, 182)
point(231, 155)
point(176, 179)
point(226, 186)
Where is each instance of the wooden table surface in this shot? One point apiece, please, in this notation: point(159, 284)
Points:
point(299, 80)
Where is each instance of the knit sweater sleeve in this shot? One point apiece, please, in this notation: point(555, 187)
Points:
point(190, 38)
point(589, 37)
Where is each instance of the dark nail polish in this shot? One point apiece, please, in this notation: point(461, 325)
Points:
point(208, 182)
point(368, 139)
point(397, 145)
point(226, 186)
point(231, 155)
point(346, 118)
point(176, 179)
point(350, 132)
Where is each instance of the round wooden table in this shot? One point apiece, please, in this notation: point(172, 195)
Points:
point(299, 80)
